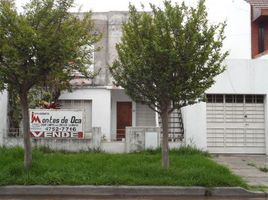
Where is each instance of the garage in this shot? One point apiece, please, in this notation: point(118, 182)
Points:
point(83, 105)
point(235, 123)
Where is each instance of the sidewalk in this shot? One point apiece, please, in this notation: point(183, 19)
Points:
point(126, 191)
point(247, 166)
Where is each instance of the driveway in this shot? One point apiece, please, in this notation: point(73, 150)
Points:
point(247, 166)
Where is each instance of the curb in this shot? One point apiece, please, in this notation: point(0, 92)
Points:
point(88, 190)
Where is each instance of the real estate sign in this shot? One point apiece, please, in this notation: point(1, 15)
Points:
point(56, 123)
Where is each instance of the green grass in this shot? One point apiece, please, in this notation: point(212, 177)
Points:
point(189, 167)
point(261, 188)
point(264, 169)
point(252, 164)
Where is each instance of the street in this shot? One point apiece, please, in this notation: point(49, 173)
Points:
point(125, 198)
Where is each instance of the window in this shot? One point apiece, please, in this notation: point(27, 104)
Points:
point(261, 38)
point(239, 98)
point(254, 98)
point(209, 98)
point(249, 98)
point(214, 98)
point(90, 49)
point(90, 53)
point(259, 98)
point(229, 98)
point(219, 98)
point(233, 98)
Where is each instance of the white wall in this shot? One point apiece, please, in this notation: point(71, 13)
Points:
point(195, 125)
point(236, 13)
point(101, 106)
point(242, 76)
point(113, 147)
point(266, 122)
point(3, 116)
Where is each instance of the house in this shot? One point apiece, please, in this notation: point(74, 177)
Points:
point(236, 110)
point(105, 105)
point(234, 118)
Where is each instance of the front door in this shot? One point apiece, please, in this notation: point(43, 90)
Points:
point(124, 118)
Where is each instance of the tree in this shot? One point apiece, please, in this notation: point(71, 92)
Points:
point(43, 42)
point(168, 58)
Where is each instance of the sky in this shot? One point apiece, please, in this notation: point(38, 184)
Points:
point(106, 5)
point(122, 5)
point(235, 12)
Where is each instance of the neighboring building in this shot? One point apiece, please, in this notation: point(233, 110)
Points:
point(236, 110)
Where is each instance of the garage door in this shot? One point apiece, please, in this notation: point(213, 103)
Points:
point(235, 123)
point(85, 106)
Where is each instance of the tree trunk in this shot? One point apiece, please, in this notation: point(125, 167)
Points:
point(165, 149)
point(26, 130)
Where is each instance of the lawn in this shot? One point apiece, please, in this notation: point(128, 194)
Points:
point(188, 168)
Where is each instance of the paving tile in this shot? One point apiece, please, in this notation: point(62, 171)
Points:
point(242, 166)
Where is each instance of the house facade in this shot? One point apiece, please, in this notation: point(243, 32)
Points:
point(105, 105)
point(234, 118)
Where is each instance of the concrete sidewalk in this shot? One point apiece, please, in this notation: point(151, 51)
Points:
point(246, 166)
point(126, 191)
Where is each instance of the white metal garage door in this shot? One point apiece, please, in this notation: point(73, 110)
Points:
point(85, 106)
point(235, 123)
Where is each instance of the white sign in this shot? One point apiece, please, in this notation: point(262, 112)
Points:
point(56, 123)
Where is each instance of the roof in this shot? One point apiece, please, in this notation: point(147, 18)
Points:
point(258, 3)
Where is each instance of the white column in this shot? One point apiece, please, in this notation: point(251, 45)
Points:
point(3, 115)
point(266, 123)
point(134, 113)
point(195, 125)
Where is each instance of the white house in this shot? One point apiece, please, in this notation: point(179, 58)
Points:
point(107, 106)
point(233, 120)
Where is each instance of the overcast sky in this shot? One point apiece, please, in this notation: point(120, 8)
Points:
point(215, 7)
point(120, 5)
point(218, 10)
point(235, 12)
point(105, 5)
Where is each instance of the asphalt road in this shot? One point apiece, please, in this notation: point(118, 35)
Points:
point(119, 198)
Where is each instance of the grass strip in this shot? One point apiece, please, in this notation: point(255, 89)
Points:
point(188, 167)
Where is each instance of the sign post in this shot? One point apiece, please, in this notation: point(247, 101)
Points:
point(56, 123)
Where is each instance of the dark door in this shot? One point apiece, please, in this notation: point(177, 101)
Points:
point(124, 118)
